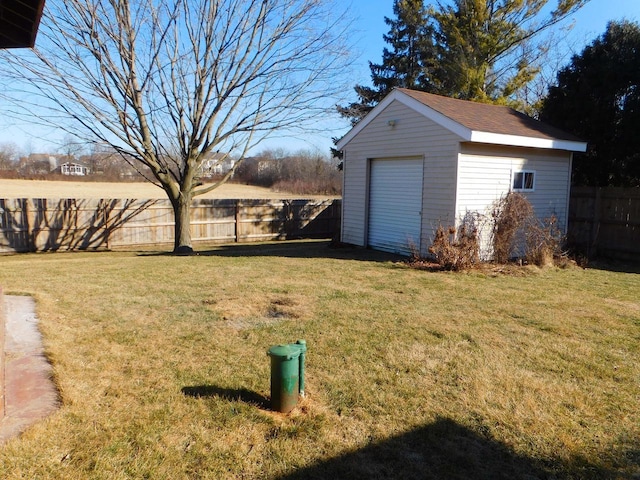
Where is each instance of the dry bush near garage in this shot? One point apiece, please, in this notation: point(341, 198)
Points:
point(544, 240)
point(517, 233)
point(455, 249)
point(510, 216)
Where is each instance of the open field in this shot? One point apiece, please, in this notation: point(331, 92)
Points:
point(138, 190)
point(162, 368)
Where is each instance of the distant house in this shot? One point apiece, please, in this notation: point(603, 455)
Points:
point(72, 168)
point(38, 164)
point(419, 160)
point(217, 164)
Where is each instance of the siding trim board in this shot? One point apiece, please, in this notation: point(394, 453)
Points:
point(518, 141)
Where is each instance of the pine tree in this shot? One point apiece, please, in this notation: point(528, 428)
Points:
point(597, 98)
point(408, 62)
point(487, 48)
point(483, 50)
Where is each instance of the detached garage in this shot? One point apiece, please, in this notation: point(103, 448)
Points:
point(419, 160)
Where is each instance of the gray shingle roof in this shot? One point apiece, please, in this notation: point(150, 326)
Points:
point(489, 118)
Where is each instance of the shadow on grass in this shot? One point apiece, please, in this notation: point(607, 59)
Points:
point(231, 394)
point(617, 266)
point(293, 249)
point(441, 450)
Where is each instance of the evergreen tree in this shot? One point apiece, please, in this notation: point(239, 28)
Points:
point(477, 42)
point(407, 63)
point(487, 48)
point(597, 97)
point(483, 50)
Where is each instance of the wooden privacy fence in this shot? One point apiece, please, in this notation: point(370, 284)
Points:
point(605, 222)
point(75, 224)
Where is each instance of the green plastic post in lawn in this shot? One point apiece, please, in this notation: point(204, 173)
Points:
point(285, 377)
point(302, 345)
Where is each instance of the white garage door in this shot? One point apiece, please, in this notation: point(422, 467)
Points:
point(395, 204)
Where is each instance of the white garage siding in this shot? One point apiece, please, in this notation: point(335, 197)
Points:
point(354, 198)
point(413, 136)
point(470, 152)
point(485, 175)
point(395, 205)
point(481, 180)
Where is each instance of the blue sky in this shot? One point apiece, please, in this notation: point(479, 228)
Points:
point(369, 27)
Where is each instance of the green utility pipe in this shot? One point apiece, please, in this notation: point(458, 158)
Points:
point(285, 377)
point(302, 344)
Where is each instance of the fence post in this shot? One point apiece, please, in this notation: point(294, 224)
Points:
point(236, 225)
point(29, 219)
point(595, 225)
point(105, 219)
point(287, 214)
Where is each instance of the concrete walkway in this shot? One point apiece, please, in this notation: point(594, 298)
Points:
point(27, 392)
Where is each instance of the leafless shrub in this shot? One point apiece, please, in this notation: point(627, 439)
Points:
point(510, 215)
point(518, 233)
point(543, 241)
point(10, 174)
point(300, 172)
point(456, 249)
point(309, 187)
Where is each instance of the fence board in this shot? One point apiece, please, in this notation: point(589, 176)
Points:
point(81, 224)
point(605, 222)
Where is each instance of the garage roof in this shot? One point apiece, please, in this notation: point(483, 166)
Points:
point(476, 122)
point(19, 20)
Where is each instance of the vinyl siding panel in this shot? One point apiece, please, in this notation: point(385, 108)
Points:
point(355, 192)
point(412, 136)
point(485, 175)
point(482, 179)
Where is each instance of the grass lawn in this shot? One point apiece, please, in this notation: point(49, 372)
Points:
point(163, 374)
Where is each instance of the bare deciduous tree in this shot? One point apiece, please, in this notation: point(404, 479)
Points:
point(70, 148)
point(169, 82)
point(8, 156)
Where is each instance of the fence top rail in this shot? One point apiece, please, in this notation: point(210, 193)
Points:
point(204, 201)
point(625, 192)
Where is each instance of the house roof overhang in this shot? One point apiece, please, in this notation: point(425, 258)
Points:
point(19, 21)
point(467, 133)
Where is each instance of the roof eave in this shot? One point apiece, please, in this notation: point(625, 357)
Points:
point(465, 133)
point(531, 142)
point(19, 23)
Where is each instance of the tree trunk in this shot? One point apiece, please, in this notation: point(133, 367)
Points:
point(181, 212)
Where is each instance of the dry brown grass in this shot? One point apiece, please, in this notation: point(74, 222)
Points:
point(162, 367)
point(140, 190)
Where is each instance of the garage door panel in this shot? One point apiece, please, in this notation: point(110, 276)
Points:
point(395, 203)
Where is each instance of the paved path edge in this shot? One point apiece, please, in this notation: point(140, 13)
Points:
point(27, 391)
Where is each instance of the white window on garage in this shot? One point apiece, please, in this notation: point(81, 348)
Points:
point(524, 181)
